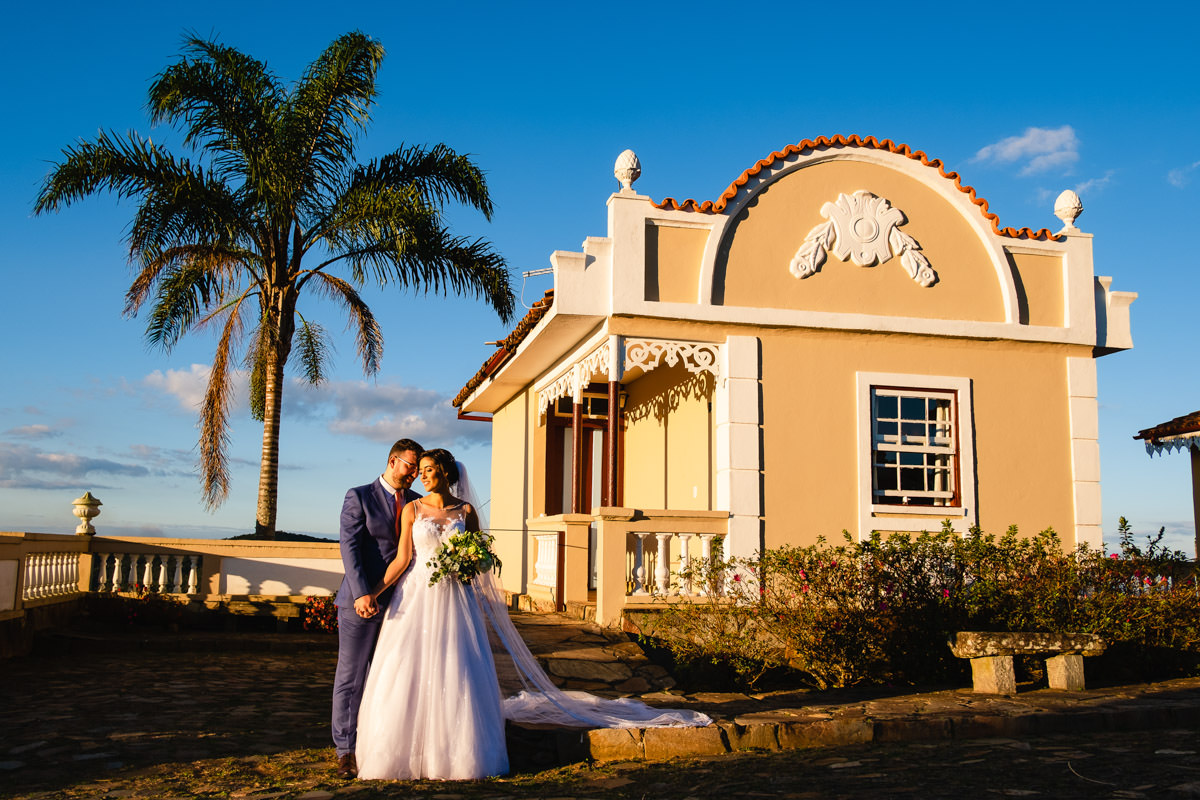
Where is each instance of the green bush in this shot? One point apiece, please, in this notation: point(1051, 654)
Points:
point(882, 610)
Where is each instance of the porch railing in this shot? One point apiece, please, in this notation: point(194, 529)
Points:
point(638, 556)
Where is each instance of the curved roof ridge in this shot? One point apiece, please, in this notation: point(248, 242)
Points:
point(717, 206)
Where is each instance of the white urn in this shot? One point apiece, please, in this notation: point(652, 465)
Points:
point(86, 508)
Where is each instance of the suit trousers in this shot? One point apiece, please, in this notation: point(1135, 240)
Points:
point(356, 644)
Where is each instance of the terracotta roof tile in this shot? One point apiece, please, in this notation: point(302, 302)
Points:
point(822, 142)
point(1188, 423)
point(506, 347)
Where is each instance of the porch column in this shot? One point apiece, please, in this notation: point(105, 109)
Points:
point(577, 471)
point(612, 531)
point(1195, 453)
point(612, 456)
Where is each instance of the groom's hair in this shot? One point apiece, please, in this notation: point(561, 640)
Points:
point(403, 446)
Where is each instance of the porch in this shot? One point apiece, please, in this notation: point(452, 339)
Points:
point(620, 559)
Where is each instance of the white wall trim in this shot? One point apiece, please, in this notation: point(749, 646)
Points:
point(872, 517)
point(738, 455)
point(1085, 450)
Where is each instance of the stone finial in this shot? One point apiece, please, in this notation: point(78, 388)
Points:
point(1068, 208)
point(86, 508)
point(627, 169)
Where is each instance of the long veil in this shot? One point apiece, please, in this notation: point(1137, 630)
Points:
point(541, 701)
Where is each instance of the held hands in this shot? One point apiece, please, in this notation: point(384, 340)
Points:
point(365, 606)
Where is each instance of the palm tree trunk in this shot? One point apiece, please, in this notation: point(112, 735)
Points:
point(268, 475)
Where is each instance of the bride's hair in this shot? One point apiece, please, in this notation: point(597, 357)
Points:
point(445, 462)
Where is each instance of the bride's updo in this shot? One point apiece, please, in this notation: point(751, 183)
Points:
point(445, 462)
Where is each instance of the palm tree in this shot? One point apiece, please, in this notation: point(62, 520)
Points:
point(273, 205)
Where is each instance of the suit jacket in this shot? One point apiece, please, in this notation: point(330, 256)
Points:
point(367, 535)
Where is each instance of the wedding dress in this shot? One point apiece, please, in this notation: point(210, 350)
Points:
point(432, 706)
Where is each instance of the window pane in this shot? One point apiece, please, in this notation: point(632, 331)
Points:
point(885, 406)
point(913, 447)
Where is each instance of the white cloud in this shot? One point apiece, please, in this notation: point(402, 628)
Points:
point(385, 412)
point(23, 466)
point(32, 432)
point(1182, 176)
point(1094, 185)
point(1041, 149)
point(188, 386)
point(377, 412)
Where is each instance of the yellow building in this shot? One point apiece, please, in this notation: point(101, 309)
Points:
point(845, 340)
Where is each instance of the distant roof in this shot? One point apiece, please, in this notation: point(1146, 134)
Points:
point(506, 347)
point(717, 206)
point(1175, 433)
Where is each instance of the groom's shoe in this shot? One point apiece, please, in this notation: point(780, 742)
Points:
point(347, 766)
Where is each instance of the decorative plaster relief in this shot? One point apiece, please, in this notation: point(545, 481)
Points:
point(572, 382)
point(696, 357)
point(865, 229)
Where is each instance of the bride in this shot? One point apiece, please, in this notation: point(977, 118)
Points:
point(432, 706)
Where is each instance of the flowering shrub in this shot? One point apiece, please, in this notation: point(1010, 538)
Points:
point(882, 610)
point(320, 614)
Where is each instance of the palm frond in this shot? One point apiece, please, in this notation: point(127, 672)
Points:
point(225, 265)
point(313, 348)
point(255, 362)
point(368, 334)
point(439, 174)
point(227, 103)
point(328, 107)
point(184, 293)
point(127, 166)
point(214, 416)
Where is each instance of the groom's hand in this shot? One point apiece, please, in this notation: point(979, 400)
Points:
point(365, 606)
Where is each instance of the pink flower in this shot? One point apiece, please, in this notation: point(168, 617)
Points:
point(737, 577)
point(945, 592)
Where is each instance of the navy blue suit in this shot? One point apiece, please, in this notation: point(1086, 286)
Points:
point(367, 535)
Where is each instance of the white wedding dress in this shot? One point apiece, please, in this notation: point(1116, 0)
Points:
point(432, 706)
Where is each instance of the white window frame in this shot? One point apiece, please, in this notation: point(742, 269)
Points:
point(887, 517)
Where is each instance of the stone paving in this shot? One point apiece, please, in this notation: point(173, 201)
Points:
point(87, 708)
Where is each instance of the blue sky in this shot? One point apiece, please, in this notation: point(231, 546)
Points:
point(1022, 101)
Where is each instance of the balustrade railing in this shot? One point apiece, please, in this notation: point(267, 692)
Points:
point(164, 573)
point(50, 575)
point(666, 568)
point(545, 565)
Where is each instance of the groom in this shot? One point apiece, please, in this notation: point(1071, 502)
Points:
point(368, 534)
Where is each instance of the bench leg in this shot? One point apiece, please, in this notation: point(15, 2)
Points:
point(993, 675)
point(1065, 672)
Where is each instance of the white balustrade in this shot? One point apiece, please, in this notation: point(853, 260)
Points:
point(165, 573)
point(706, 541)
point(651, 573)
point(685, 565)
point(639, 564)
point(50, 575)
point(662, 566)
point(545, 569)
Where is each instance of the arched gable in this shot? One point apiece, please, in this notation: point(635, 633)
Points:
point(765, 217)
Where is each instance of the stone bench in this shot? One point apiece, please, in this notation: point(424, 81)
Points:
point(992, 665)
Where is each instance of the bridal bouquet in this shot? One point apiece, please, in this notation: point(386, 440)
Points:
point(463, 556)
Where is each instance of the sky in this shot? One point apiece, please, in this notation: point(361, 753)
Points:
point(1022, 101)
